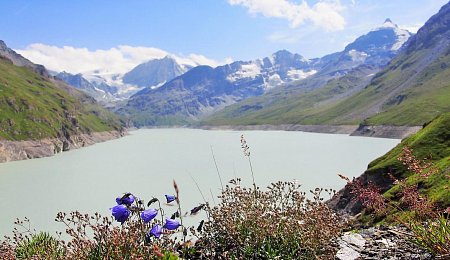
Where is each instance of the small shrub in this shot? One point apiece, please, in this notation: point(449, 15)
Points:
point(277, 223)
point(433, 235)
point(41, 246)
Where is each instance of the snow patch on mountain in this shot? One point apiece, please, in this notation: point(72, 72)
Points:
point(300, 74)
point(271, 59)
point(273, 81)
point(403, 36)
point(111, 79)
point(251, 70)
point(159, 85)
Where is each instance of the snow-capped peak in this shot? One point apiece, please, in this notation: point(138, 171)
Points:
point(402, 34)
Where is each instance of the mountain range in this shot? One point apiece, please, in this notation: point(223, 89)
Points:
point(203, 90)
point(108, 87)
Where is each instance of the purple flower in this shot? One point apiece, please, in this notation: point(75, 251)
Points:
point(120, 213)
point(156, 231)
point(170, 198)
point(171, 224)
point(127, 200)
point(148, 215)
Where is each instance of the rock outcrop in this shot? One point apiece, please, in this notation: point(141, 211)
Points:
point(23, 150)
point(379, 243)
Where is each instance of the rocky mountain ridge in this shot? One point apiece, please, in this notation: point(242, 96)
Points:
point(21, 61)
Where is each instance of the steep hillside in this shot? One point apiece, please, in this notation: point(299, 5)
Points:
point(433, 141)
point(34, 106)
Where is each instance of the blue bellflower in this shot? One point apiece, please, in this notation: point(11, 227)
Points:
point(127, 200)
point(156, 231)
point(171, 224)
point(148, 215)
point(120, 213)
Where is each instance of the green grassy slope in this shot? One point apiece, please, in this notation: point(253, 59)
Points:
point(34, 107)
point(433, 140)
point(428, 97)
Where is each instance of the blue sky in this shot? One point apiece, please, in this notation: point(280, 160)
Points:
point(219, 30)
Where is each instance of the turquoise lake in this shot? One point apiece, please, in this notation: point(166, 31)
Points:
point(146, 162)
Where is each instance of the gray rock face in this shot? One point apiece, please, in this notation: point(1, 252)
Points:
point(154, 72)
point(23, 150)
point(20, 61)
point(350, 245)
point(434, 32)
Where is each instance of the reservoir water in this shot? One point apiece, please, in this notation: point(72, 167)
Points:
point(147, 161)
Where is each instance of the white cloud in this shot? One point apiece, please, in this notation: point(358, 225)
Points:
point(119, 59)
point(325, 14)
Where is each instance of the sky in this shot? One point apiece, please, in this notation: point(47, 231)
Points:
point(84, 35)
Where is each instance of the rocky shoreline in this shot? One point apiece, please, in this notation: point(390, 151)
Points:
point(386, 131)
point(382, 131)
point(29, 149)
